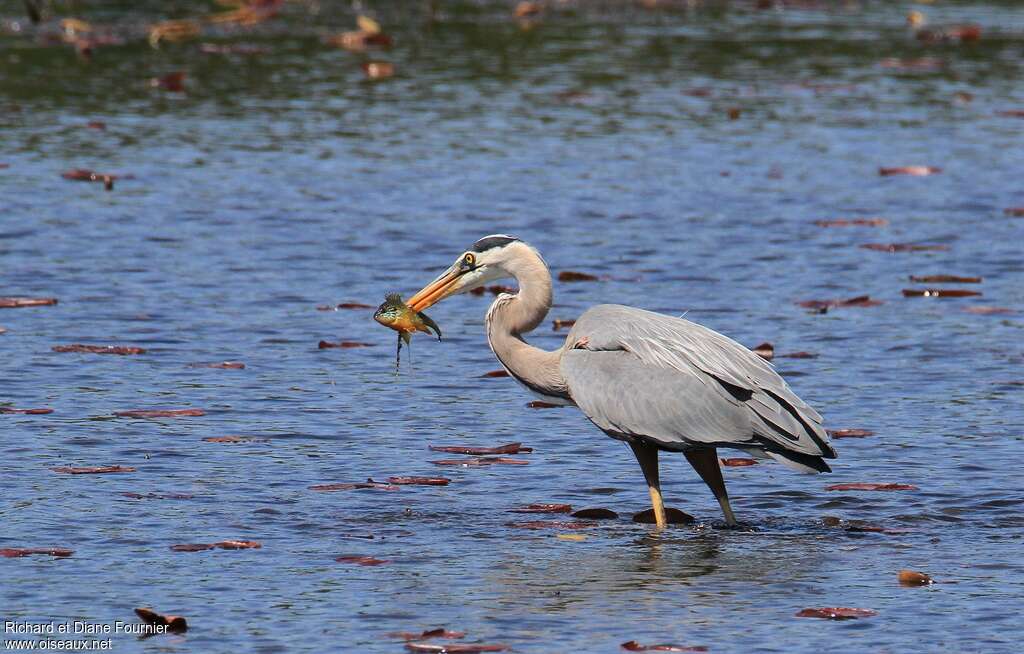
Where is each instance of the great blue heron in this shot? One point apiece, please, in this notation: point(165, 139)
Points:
point(651, 380)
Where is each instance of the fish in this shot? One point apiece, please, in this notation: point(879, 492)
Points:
point(403, 319)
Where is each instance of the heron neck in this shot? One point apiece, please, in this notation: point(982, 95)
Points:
point(511, 316)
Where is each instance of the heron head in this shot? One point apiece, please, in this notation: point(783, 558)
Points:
point(484, 262)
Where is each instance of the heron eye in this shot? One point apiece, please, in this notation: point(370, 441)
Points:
point(469, 260)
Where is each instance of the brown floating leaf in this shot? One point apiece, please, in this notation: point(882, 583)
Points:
point(360, 560)
point(858, 301)
point(561, 324)
point(440, 632)
point(836, 613)
point(234, 439)
point(31, 412)
point(904, 247)
point(851, 222)
point(988, 311)
point(537, 404)
point(496, 373)
point(944, 279)
point(238, 545)
point(672, 516)
point(85, 175)
point(938, 292)
point(553, 524)
point(738, 462)
point(797, 355)
point(543, 508)
point(509, 448)
point(174, 624)
point(633, 646)
point(159, 413)
point(961, 33)
point(92, 470)
point(913, 171)
point(14, 552)
point(192, 547)
point(870, 487)
point(765, 350)
point(573, 276)
point(174, 82)
point(378, 69)
point(596, 514)
point(122, 350)
point(849, 433)
point(227, 365)
point(482, 461)
point(20, 302)
point(1014, 211)
point(914, 578)
point(419, 481)
point(369, 483)
point(324, 345)
point(455, 648)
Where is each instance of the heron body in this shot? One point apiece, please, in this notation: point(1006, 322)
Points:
point(654, 381)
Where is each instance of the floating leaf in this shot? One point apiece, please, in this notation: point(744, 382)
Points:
point(156, 496)
point(939, 292)
point(836, 613)
point(508, 448)
point(369, 483)
point(944, 279)
point(573, 276)
point(904, 247)
point(226, 365)
point(672, 516)
point(482, 461)
point(852, 222)
point(849, 433)
point(1014, 211)
point(858, 301)
point(596, 514)
point(633, 646)
point(538, 404)
point(765, 350)
point(159, 413)
point(174, 82)
point(30, 412)
point(360, 560)
point(174, 624)
point(15, 552)
point(224, 545)
point(92, 470)
point(913, 171)
point(543, 508)
point(440, 632)
point(121, 350)
point(870, 487)
point(378, 69)
point(21, 302)
point(914, 578)
point(419, 481)
point(561, 324)
point(324, 345)
point(495, 373)
point(455, 648)
point(738, 462)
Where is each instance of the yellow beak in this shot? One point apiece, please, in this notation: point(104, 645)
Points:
point(437, 290)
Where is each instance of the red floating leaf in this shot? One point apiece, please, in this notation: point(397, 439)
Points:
point(20, 302)
point(159, 413)
point(633, 646)
point(360, 560)
point(913, 171)
point(765, 350)
point(849, 433)
point(904, 247)
point(93, 470)
point(573, 276)
point(858, 301)
point(852, 222)
point(121, 350)
point(554, 524)
point(496, 373)
point(419, 481)
point(86, 175)
point(914, 578)
point(738, 462)
point(324, 345)
point(455, 648)
point(672, 516)
point(537, 404)
point(870, 487)
point(175, 624)
point(543, 508)
point(596, 514)
point(238, 545)
point(227, 365)
point(174, 82)
point(192, 547)
point(939, 292)
point(1017, 212)
point(961, 33)
point(14, 552)
point(944, 279)
point(30, 412)
point(482, 461)
point(836, 613)
point(561, 324)
point(508, 448)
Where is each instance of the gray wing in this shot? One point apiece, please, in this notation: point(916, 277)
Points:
point(636, 373)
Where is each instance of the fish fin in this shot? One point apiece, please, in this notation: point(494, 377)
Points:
point(393, 298)
point(405, 337)
point(430, 323)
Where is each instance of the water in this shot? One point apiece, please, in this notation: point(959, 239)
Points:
point(283, 181)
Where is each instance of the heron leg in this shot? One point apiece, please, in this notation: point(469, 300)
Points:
point(705, 462)
point(647, 457)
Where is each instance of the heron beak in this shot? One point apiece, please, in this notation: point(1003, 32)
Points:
point(437, 290)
